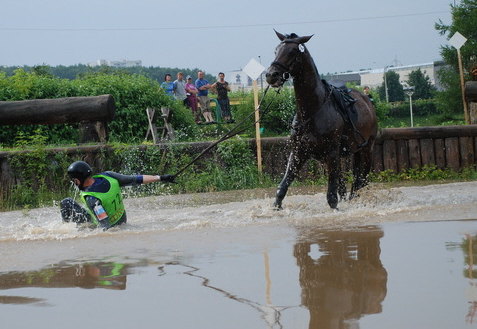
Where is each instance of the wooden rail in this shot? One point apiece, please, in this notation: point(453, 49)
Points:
point(451, 147)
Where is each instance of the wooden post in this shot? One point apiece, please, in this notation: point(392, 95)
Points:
point(257, 127)
point(152, 126)
point(462, 88)
point(471, 99)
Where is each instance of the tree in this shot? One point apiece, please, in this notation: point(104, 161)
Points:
point(423, 89)
point(464, 21)
point(395, 90)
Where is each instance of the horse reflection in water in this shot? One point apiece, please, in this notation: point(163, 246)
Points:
point(323, 128)
point(346, 281)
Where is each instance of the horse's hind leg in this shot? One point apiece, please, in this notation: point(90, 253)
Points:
point(294, 164)
point(361, 169)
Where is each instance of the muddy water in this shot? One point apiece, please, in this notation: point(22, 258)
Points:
point(394, 258)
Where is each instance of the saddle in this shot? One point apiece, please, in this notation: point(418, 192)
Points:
point(344, 101)
point(345, 105)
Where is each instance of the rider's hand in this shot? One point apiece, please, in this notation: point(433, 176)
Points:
point(167, 178)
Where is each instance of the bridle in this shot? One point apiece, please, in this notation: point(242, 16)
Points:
point(287, 69)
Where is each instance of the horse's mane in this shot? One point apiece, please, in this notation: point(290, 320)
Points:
point(292, 36)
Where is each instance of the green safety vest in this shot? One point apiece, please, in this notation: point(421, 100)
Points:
point(112, 201)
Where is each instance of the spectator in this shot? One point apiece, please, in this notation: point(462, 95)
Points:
point(222, 87)
point(367, 92)
point(203, 86)
point(168, 85)
point(179, 89)
point(192, 91)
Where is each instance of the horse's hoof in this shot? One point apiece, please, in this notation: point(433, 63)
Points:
point(353, 195)
point(333, 203)
point(277, 207)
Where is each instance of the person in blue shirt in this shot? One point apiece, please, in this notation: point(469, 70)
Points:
point(168, 85)
point(100, 195)
point(204, 101)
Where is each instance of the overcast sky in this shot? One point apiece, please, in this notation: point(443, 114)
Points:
point(220, 35)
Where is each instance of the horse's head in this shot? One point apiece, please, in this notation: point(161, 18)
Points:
point(288, 58)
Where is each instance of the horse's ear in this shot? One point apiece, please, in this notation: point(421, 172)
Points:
point(304, 39)
point(279, 35)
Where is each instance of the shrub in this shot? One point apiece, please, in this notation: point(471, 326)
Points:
point(280, 109)
point(132, 94)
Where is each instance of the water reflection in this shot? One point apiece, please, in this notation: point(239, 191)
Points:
point(469, 246)
point(344, 278)
point(108, 275)
point(271, 314)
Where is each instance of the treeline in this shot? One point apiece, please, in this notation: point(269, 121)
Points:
point(72, 72)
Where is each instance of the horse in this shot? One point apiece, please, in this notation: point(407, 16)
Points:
point(320, 128)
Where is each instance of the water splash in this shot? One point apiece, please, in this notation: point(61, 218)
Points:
point(231, 209)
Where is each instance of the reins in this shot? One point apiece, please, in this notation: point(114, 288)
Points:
point(231, 133)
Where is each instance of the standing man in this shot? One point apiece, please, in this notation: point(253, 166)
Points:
point(203, 86)
point(179, 88)
point(223, 89)
point(101, 195)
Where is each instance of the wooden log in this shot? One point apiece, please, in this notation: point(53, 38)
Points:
point(414, 154)
point(428, 156)
point(389, 155)
point(475, 151)
point(440, 149)
point(452, 153)
point(427, 132)
point(466, 145)
point(93, 132)
point(59, 110)
point(402, 155)
point(473, 112)
point(470, 91)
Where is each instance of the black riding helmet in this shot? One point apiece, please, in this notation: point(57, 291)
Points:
point(80, 170)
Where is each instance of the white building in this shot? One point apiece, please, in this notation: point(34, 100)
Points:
point(121, 63)
point(375, 77)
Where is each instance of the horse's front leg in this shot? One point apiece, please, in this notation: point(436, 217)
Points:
point(295, 161)
point(334, 180)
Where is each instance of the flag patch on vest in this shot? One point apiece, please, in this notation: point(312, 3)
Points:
point(100, 212)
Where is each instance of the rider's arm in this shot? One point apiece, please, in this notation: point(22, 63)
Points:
point(128, 180)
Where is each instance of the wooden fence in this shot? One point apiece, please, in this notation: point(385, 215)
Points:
point(453, 147)
point(397, 149)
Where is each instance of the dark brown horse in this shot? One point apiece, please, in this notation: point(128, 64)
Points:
point(320, 129)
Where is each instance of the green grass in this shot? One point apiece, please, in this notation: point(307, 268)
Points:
point(431, 120)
